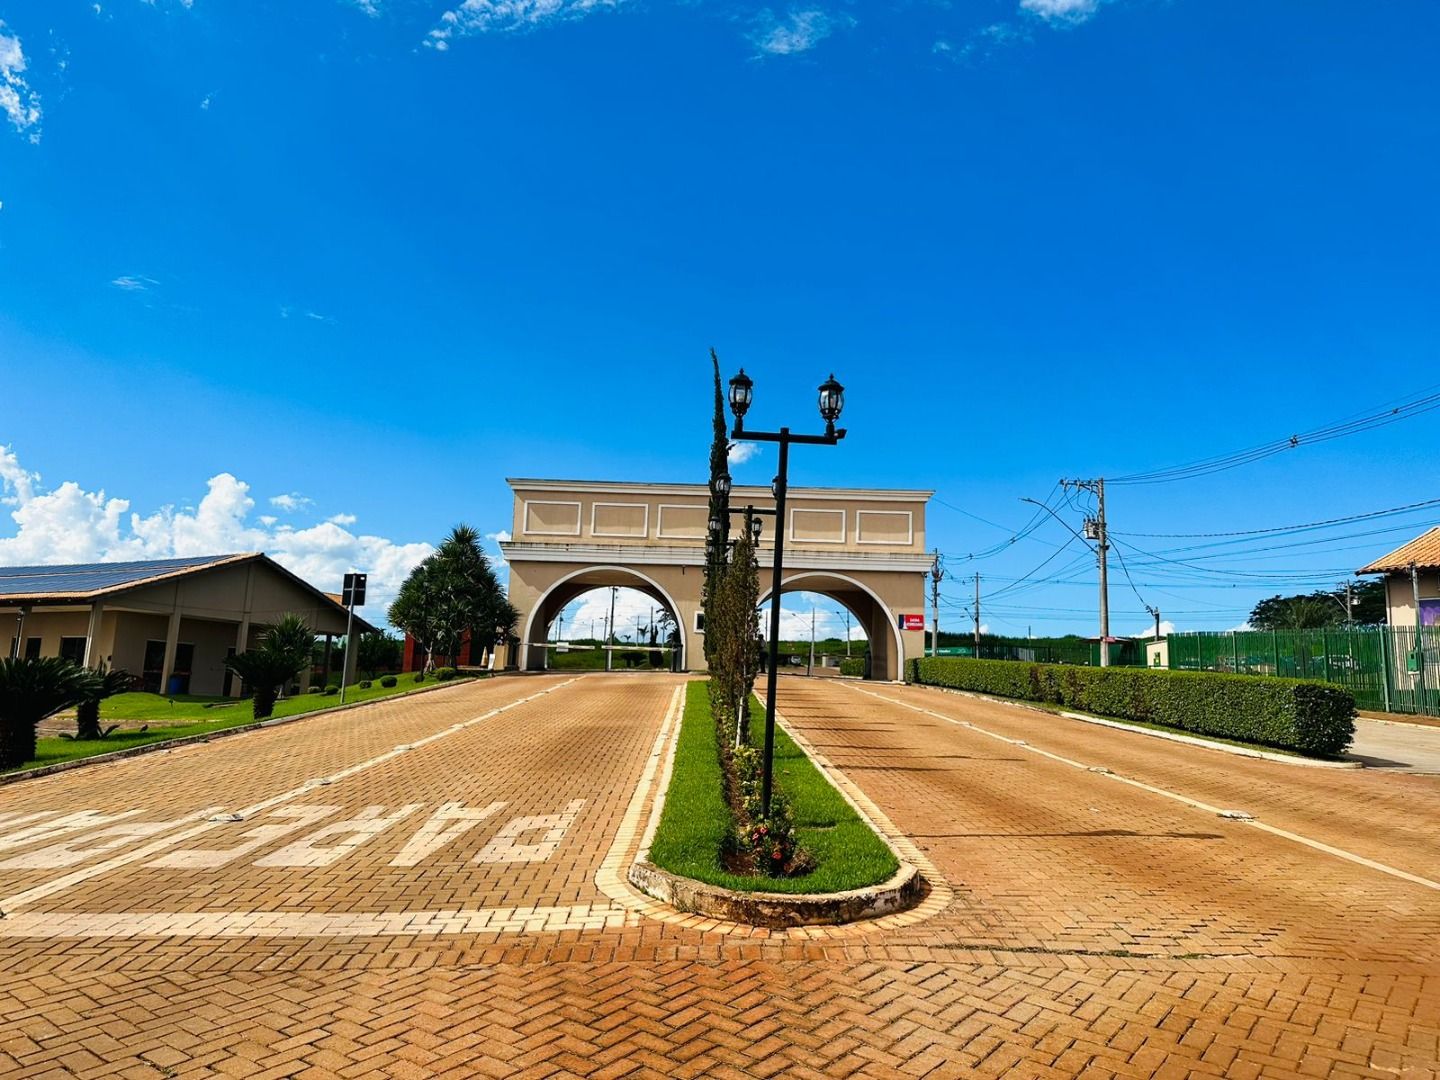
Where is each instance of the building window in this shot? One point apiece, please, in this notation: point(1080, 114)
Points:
point(32, 648)
point(699, 622)
point(72, 649)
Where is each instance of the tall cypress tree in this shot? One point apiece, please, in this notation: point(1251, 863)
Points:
point(718, 539)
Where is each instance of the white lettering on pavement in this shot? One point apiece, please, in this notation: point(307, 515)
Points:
point(210, 858)
point(506, 846)
point(446, 825)
point(370, 823)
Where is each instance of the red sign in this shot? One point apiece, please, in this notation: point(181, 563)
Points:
point(912, 622)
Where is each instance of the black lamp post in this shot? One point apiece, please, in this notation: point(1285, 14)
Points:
point(832, 401)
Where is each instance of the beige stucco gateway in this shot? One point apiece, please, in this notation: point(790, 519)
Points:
point(863, 548)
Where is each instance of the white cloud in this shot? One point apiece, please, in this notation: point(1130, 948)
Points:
point(205, 101)
point(70, 524)
point(268, 520)
point(588, 613)
point(1061, 11)
point(291, 502)
point(502, 16)
point(369, 7)
point(1166, 628)
point(342, 519)
point(742, 452)
point(134, 282)
point(501, 537)
point(799, 32)
point(18, 102)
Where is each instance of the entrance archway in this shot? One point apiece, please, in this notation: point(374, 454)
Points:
point(887, 647)
point(573, 585)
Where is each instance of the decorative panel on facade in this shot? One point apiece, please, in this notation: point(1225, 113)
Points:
point(680, 522)
point(620, 519)
point(552, 518)
point(817, 526)
point(891, 527)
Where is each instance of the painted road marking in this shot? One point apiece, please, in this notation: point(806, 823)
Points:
point(10, 904)
point(445, 826)
point(209, 859)
point(1339, 853)
point(506, 846)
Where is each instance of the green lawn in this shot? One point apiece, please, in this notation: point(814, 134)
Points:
point(189, 715)
point(695, 821)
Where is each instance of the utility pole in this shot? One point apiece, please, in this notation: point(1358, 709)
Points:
point(1156, 612)
point(1349, 602)
point(610, 632)
point(937, 572)
point(811, 669)
point(1095, 529)
point(846, 613)
point(977, 616)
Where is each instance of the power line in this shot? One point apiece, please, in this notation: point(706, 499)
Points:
point(1290, 528)
point(1224, 462)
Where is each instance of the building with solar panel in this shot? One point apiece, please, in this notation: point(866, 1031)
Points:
point(171, 623)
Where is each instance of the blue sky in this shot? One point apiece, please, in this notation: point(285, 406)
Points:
point(374, 257)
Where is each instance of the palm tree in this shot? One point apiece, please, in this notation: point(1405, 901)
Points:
point(31, 690)
point(87, 713)
point(283, 652)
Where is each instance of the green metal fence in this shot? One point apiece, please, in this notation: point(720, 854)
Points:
point(1053, 651)
point(1388, 669)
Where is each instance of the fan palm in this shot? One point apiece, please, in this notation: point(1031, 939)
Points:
point(87, 713)
point(31, 690)
point(283, 652)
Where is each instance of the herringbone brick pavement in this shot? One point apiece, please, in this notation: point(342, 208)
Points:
point(1097, 930)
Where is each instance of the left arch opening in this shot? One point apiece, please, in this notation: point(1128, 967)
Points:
point(568, 629)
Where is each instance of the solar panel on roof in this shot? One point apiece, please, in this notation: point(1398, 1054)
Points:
point(91, 577)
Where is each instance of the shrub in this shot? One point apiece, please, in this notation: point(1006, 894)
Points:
point(419, 676)
point(332, 690)
point(388, 681)
point(365, 684)
point(316, 690)
point(1294, 714)
point(853, 666)
point(445, 674)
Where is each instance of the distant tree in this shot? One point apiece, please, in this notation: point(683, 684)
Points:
point(1317, 610)
point(379, 652)
point(452, 592)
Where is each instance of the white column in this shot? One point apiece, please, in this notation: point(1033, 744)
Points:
point(92, 633)
point(242, 642)
point(172, 638)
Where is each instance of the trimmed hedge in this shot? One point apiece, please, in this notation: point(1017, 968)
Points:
point(1313, 718)
point(853, 665)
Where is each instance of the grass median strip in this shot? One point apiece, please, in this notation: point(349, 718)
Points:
point(696, 819)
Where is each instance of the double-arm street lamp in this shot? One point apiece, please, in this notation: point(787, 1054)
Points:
point(832, 400)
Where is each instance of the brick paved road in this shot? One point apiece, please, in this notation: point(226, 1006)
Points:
point(376, 913)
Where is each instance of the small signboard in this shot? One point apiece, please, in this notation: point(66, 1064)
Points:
point(912, 622)
point(354, 591)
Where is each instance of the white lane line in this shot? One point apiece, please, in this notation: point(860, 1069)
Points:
point(254, 924)
point(1339, 853)
point(610, 878)
point(10, 904)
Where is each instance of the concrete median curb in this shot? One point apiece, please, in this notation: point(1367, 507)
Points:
point(906, 888)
